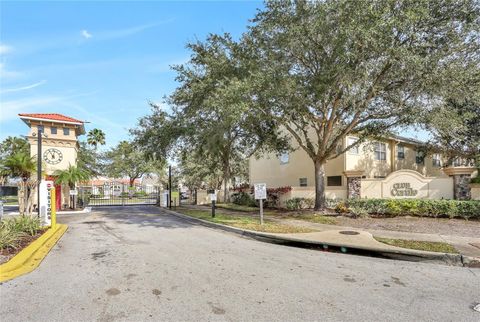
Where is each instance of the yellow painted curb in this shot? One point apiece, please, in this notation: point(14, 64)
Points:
point(31, 256)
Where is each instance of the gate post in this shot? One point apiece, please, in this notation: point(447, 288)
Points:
point(123, 194)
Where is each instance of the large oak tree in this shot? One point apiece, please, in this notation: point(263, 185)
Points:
point(335, 67)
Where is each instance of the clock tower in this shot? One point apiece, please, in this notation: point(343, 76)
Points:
point(59, 144)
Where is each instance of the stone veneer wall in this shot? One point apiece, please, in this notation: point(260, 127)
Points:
point(461, 188)
point(353, 187)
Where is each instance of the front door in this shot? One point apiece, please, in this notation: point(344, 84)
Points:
point(58, 196)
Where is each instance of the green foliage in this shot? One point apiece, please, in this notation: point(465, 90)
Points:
point(25, 224)
point(454, 127)
point(324, 69)
point(467, 209)
point(475, 180)
point(243, 198)
point(299, 203)
point(89, 160)
point(12, 230)
point(96, 137)
point(9, 238)
point(71, 176)
point(20, 165)
point(128, 160)
point(341, 207)
point(12, 145)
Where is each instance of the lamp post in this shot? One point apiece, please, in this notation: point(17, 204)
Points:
point(39, 167)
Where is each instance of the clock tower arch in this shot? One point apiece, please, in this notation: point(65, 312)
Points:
point(59, 145)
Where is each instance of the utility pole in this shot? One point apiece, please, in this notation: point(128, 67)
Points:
point(170, 187)
point(39, 167)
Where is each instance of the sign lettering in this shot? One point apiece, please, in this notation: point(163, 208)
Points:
point(403, 189)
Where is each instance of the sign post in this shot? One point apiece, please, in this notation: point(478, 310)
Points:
point(260, 190)
point(45, 199)
point(213, 198)
point(53, 207)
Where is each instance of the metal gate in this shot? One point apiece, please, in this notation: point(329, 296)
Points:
point(118, 194)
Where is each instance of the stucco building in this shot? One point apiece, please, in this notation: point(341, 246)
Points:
point(373, 170)
point(59, 145)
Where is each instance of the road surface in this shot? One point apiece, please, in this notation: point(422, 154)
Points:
point(139, 264)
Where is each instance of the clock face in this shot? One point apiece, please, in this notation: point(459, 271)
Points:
point(53, 156)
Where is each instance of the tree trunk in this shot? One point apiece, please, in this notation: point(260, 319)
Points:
point(132, 180)
point(226, 178)
point(319, 185)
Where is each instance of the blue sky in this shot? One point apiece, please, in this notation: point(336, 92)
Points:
point(100, 61)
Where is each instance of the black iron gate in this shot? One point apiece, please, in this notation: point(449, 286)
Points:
point(118, 194)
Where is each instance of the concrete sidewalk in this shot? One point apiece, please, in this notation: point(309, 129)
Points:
point(346, 240)
point(465, 245)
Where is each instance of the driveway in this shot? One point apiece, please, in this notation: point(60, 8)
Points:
point(139, 264)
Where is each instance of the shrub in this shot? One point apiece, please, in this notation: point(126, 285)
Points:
point(467, 209)
point(358, 212)
point(23, 224)
point(299, 203)
point(475, 180)
point(9, 238)
point(341, 207)
point(243, 199)
point(140, 193)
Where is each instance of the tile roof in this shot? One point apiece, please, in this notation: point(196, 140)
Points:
point(51, 116)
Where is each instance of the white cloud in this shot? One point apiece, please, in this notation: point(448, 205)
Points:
point(86, 34)
point(10, 109)
point(9, 90)
point(4, 49)
point(4, 73)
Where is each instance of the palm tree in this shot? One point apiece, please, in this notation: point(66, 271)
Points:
point(21, 165)
point(96, 137)
point(70, 177)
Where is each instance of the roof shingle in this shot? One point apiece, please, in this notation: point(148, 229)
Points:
point(51, 116)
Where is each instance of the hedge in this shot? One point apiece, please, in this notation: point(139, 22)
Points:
point(467, 209)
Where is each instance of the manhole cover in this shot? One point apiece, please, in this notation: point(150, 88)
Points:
point(349, 232)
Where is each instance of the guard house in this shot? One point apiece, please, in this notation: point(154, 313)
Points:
point(59, 145)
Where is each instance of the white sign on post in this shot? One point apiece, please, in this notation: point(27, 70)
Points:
point(260, 191)
point(45, 201)
point(213, 197)
point(73, 192)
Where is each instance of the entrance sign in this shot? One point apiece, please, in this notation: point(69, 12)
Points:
point(73, 192)
point(260, 191)
point(403, 189)
point(45, 194)
point(213, 197)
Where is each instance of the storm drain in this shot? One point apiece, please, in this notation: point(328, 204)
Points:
point(349, 232)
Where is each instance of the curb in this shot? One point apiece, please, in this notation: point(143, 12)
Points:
point(400, 254)
point(31, 256)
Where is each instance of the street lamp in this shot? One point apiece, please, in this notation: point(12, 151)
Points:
point(39, 165)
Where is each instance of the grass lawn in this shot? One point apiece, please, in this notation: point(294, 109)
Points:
point(232, 206)
point(10, 200)
point(318, 219)
point(419, 245)
point(243, 222)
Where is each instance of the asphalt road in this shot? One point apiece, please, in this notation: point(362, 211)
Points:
point(137, 264)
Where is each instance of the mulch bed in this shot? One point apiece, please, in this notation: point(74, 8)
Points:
point(7, 253)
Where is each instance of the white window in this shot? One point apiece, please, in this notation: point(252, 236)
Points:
point(303, 182)
point(380, 151)
point(353, 150)
point(400, 152)
point(284, 158)
point(436, 160)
